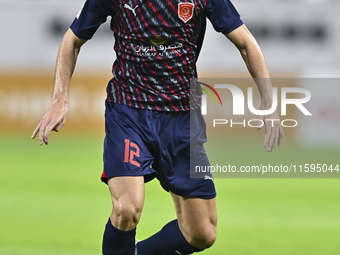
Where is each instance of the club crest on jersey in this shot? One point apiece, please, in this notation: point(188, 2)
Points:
point(185, 11)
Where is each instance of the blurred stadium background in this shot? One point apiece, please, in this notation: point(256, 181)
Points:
point(51, 199)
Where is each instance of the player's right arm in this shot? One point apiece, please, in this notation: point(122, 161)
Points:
point(56, 115)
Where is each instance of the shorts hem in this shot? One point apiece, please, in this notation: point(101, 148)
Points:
point(198, 195)
point(147, 176)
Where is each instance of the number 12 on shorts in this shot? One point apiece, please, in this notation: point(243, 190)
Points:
point(129, 153)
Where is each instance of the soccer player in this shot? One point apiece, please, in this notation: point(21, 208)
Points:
point(149, 131)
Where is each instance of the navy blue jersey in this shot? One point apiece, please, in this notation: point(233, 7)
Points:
point(157, 43)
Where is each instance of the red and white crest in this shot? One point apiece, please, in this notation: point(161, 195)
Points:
point(185, 11)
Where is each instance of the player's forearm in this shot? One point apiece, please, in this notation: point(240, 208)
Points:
point(253, 57)
point(65, 65)
point(257, 67)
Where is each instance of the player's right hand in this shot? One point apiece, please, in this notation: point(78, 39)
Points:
point(53, 120)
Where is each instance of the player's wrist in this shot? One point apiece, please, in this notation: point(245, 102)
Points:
point(266, 103)
point(60, 99)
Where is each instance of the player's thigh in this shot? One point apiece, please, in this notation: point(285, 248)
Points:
point(197, 219)
point(127, 193)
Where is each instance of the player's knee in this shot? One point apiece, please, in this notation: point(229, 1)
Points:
point(127, 213)
point(203, 239)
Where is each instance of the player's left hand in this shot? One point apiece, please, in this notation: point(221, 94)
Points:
point(274, 130)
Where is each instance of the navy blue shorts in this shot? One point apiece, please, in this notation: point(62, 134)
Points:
point(158, 144)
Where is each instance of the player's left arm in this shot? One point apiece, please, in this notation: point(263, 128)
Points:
point(256, 64)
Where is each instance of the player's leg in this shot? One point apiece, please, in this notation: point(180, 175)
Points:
point(127, 195)
point(197, 219)
point(194, 198)
point(194, 231)
point(195, 228)
point(127, 163)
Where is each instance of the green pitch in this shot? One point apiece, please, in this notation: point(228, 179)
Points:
point(52, 201)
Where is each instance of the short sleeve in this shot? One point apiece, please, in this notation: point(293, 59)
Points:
point(90, 17)
point(223, 15)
